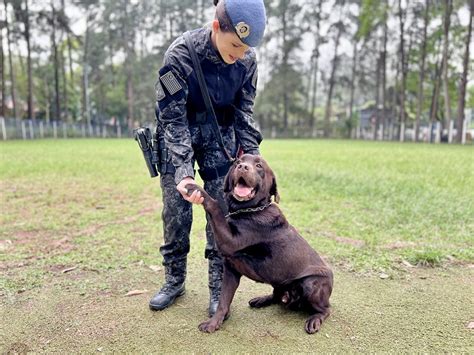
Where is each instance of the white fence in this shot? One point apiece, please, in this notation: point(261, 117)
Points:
point(34, 129)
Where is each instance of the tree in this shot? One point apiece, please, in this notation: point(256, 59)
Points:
point(339, 28)
point(288, 37)
point(10, 60)
point(403, 70)
point(448, 8)
point(463, 81)
point(2, 72)
point(422, 69)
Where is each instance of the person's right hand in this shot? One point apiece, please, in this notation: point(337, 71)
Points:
point(195, 197)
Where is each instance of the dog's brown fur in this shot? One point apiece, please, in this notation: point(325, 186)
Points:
point(263, 246)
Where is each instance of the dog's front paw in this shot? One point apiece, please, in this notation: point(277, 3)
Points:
point(209, 326)
point(192, 187)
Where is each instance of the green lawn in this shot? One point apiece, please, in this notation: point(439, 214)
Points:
point(366, 206)
point(81, 227)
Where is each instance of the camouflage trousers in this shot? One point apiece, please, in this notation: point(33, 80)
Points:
point(177, 212)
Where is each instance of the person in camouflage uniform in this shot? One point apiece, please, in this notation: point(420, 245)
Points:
point(229, 65)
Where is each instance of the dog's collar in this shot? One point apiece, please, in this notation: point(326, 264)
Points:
point(248, 210)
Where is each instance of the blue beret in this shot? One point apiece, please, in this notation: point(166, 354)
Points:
point(248, 18)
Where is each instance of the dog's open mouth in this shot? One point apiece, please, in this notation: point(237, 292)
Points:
point(242, 191)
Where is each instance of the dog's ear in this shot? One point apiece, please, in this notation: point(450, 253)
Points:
point(274, 190)
point(228, 180)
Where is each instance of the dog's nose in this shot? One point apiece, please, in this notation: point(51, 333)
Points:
point(243, 167)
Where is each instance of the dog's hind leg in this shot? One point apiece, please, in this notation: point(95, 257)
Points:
point(313, 323)
point(318, 300)
point(259, 302)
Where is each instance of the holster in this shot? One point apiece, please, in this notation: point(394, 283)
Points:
point(161, 153)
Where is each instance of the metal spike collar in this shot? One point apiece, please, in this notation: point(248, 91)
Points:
point(248, 210)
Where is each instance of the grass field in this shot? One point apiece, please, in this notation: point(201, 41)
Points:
point(376, 211)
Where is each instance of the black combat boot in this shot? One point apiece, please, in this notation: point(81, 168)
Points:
point(215, 281)
point(174, 286)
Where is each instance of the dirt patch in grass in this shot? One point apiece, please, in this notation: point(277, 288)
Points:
point(425, 310)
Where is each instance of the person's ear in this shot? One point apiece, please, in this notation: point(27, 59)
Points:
point(215, 25)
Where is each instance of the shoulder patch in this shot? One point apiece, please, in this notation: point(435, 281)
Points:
point(160, 93)
point(170, 82)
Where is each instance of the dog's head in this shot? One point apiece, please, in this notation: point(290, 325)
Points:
point(250, 182)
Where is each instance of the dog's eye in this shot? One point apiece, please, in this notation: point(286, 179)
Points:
point(258, 165)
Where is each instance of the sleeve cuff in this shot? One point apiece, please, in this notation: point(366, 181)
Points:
point(182, 172)
point(252, 151)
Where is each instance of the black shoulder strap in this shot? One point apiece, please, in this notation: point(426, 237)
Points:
point(205, 94)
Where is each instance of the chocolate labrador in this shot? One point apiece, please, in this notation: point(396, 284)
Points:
point(256, 241)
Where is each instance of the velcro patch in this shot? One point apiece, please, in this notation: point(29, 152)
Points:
point(170, 83)
point(160, 93)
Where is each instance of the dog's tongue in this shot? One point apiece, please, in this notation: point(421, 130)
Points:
point(242, 190)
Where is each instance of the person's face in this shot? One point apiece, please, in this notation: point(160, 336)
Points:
point(228, 44)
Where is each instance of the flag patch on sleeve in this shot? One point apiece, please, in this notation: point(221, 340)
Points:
point(170, 82)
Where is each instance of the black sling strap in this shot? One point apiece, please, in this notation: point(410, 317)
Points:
point(205, 94)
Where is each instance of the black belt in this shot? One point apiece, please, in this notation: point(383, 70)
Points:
point(225, 117)
point(209, 174)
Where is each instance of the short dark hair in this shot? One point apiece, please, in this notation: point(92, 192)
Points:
point(225, 24)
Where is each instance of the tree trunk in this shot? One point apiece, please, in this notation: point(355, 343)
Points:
point(463, 81)
point(447, 24)
point(316, 64)
point(65, 86)
point(129, 37)
point(85, 75)
point(403, 72)
point(327, 114)
point(57, 101)
point(384, 72)
point(377, 96)
point(2, 74)
point(422, 72)
point(285, 70)
point(63, 68)
point(31, 111)
point(10, 60)
point(353, 76)
point(435, 95)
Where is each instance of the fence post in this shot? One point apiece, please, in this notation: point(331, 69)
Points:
point(23, 129)
point(41, 129)
point(32, 131)
point(438, 132)
point(4, 128)
point(119, 131)
point(464, 133)
point(55, 129)
point(402, 132)
point(64, 124)
point(450, 131)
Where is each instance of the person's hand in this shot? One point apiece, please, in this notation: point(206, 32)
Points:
point(195, 197)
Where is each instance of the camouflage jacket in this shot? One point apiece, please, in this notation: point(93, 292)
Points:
point(178, 94)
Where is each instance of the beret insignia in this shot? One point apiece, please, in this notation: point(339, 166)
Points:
point(242, 29)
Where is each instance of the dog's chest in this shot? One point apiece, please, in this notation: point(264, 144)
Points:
point(242, 266)
point(249, 260)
